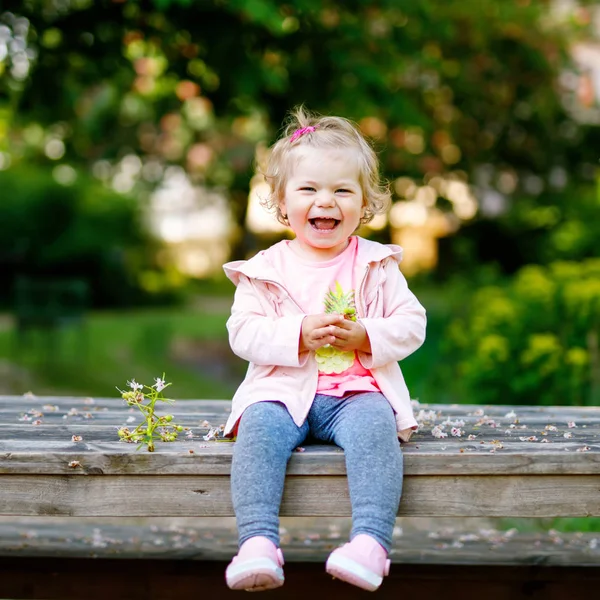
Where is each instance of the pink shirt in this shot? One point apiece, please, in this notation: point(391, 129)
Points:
point(308, 282)
point(265, 324)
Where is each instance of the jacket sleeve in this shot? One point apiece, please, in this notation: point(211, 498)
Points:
point(401, 329)
point(258, 337)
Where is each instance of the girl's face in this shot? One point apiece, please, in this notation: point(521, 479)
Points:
point(323, 201)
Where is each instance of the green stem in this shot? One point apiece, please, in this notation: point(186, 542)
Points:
point(150, 417)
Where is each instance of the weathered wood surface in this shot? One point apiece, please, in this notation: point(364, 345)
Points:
point(415, 541)
point(508, 461)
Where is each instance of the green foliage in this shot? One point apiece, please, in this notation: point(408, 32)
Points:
point(460, 88)
point(481, 78)
point(552, 525)
point(533, 340)
point(440, 86)
point(191, 345)
point(555, 226)
point(79, 230)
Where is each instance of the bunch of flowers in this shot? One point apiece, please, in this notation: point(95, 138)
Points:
point(153, 427)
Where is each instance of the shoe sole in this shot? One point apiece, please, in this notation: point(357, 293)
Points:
point(352, 572)
point(254, 575)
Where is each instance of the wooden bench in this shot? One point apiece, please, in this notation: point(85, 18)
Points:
point(502, 462)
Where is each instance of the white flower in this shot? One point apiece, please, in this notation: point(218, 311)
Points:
point(212, 434)
point(438, 432)
point(426, 415)
point(159, 384)
point(134, 385)
point(451, 423)
point(456, 432)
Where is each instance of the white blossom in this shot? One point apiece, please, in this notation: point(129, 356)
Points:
point(438, 432)
point(134, 385)
point(212, 434)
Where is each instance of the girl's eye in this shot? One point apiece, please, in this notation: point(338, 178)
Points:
point(307, 189)
point(344, 191)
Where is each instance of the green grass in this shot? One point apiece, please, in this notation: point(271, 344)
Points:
point(118, 346)
point(562, 524)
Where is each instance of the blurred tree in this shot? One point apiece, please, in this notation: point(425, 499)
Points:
point(535, 340)
point(82, 230)
point(471, 88)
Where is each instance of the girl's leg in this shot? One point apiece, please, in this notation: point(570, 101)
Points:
point(266, 438)
point(365, 427)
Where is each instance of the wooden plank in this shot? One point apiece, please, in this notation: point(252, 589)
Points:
point(434, 542)
point(106, 430)
point(505, 429)
point(187, 496)
point(34, 417)
point(214, 458)
point(26, 402)
point(535, 445)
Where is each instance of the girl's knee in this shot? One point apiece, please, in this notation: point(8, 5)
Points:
point(268, 425)
point(261, 415)
point(374, 414)
point(370, 429)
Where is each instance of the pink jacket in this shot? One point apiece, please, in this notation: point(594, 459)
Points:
point(265, 325)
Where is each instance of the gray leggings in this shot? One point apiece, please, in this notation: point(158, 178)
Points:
point(362, 424)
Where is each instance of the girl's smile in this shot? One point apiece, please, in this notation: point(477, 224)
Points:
point(323, 201)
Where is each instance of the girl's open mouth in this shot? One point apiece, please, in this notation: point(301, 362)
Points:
point(324, 224)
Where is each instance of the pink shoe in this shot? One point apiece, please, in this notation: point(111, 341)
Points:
point(256, 567)
point(363, 562)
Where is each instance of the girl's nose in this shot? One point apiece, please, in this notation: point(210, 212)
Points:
point(325, 198)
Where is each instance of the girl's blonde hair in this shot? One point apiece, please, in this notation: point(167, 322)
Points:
point(307, 130)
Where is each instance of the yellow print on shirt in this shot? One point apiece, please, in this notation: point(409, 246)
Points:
point(329, 359)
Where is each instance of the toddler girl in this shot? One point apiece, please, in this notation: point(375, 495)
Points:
point(323, 320)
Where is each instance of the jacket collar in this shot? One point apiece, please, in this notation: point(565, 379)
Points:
point(260, 266)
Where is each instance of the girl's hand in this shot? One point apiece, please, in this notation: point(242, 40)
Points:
point(318, 331)
point(351, 335)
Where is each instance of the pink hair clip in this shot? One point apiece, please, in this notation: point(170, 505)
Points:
point(300, 132)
